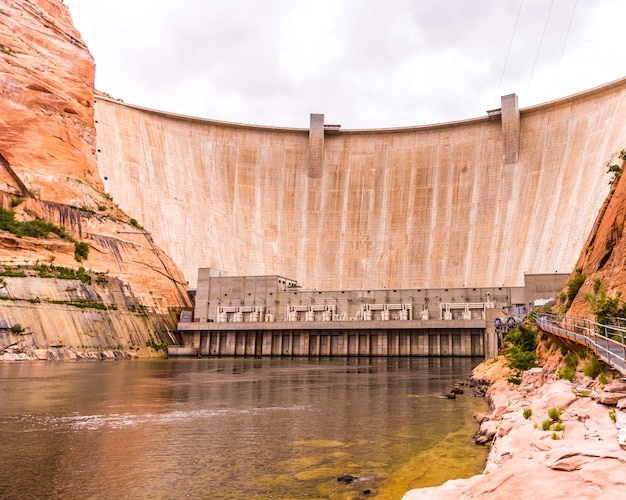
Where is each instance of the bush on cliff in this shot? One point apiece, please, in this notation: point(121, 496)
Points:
point(616, 169)
point(568, 371)
point(522, 342)
point(8, 222)
point(572, 287)
point(604, 307)
point(39, 228)
point(81, 250)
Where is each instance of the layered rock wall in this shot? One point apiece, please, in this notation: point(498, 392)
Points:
point(603, 259)
point(48, 318)
point(472, 203)
point(47, 132)
point(48, 171)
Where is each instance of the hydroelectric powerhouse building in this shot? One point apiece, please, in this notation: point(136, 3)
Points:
point(273, 316)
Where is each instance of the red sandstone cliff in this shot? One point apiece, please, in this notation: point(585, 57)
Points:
point(47, 132)
point(48, 164)
point(604, 254)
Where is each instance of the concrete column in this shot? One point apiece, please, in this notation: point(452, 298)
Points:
point(491, 337)
point(196, 339)
point(305, 338)
point(201, 309)
point(510, 129)
point(316, 146)
point(267, 343)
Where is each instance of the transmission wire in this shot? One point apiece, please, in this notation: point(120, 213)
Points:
point(569, 26)
point(508, 52)
point(545, 26)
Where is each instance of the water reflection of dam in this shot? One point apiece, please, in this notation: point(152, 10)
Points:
point(273, 316)
point(476, 203)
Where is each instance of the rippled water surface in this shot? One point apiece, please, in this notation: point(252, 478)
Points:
point(234, 428)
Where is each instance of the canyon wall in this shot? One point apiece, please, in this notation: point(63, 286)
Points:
point(603, 258)
point(48, 171)
point(473, 203)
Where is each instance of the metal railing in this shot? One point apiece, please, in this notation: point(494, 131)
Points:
point(606, 341)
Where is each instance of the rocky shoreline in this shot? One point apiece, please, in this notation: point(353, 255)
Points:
point(64, 354)
point(578, 455)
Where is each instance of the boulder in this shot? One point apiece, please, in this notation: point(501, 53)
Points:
point(610, 398)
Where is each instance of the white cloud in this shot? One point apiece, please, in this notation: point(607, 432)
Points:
point(363, 63)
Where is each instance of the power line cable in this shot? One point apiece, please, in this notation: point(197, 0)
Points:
point(569, 26)
point(508, 52)
point(545, 26)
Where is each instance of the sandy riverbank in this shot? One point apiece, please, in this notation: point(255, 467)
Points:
point(584, 460)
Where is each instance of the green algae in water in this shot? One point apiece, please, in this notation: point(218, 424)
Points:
point(452, 458)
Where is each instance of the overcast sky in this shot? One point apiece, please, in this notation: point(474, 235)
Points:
point(363, 63)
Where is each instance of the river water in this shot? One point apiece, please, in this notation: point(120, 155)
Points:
point(234, 428)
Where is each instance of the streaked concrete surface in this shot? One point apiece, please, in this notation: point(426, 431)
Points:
point(467, 203)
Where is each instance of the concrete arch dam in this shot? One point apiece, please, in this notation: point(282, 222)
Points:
point(471, 203)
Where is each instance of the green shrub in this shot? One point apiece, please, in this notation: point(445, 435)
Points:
point(606, 307)
point(597, 284)
point(546, 424)
point(8, 222)
point(84, 304)
point(12, 273)
point(616, 169)
point(514, 379)
point(527, 413)
point(16, 202)
point(554, 414)
point(521, 360)
point(571, 289)
point(612, 414)
point(566, 373)
point(81, 250)
point(62, 273)
point(523, 337)
point(133, 222)
point(594, 367)
point(558, 426)
point(101, 279)
point(555, 436)
point(87, 210)
point(156, 345)
point(523, 343)
point(35, 228)
point(17, 328)
point(38, 228)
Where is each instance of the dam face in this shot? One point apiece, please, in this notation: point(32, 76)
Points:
point(476, 203)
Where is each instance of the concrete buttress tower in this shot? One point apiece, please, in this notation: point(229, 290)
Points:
point(316, 145)
point(510, 128)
